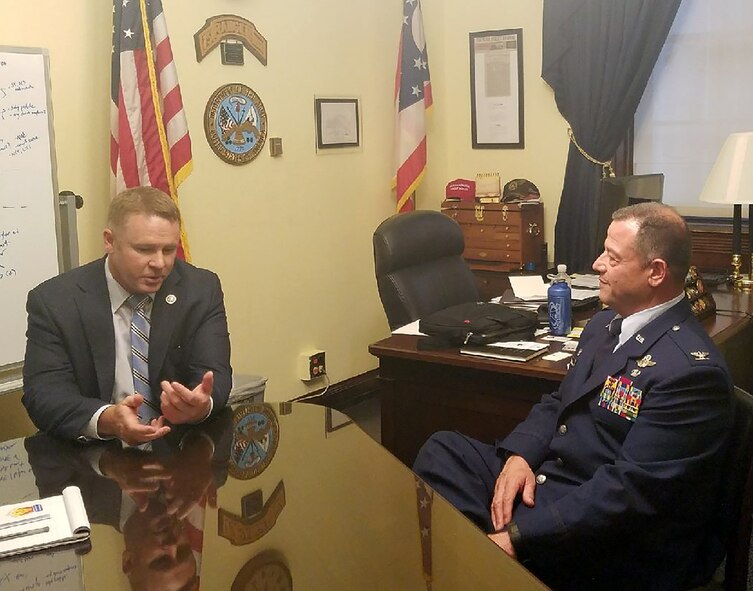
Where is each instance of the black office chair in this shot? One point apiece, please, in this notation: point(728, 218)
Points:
point(737, 574)
point(418, 259)
point(737, 503)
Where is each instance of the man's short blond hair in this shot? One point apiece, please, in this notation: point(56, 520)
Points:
point(146, 200)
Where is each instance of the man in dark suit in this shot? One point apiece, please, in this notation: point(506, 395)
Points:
point(613, 481)
point(79, 381)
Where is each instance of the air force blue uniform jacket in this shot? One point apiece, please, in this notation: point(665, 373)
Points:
point(627, 456)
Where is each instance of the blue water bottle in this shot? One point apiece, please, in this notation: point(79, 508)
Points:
point(559, 303)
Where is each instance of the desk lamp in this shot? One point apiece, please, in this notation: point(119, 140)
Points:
point(731, 181)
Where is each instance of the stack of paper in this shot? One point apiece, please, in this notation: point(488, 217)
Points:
point(508, 351)
point(531, 288)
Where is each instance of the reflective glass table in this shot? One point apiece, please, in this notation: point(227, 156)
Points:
point(266, 497)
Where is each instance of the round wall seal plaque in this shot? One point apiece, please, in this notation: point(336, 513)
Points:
point(256, 434)
point(235, 123)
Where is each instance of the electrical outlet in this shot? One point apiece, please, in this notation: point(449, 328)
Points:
point(311, 365)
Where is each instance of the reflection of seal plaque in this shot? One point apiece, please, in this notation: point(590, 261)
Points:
point(235, 123)
point(256, 434)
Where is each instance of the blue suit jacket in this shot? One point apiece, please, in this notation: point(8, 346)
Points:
point(621, 500)
point(69, 367)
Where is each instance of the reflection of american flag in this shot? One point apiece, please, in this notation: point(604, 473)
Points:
point(424, 500)
point(194, 524)
point(412, 99)
point(149, 142)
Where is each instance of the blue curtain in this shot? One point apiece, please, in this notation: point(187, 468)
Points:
point(597, 57)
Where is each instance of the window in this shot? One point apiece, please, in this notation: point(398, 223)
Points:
point(700, 91)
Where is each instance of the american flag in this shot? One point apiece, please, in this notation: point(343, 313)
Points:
point(149, 141)
point(412, 99)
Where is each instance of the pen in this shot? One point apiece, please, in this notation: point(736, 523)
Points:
point(24, 521)
point(23, 534)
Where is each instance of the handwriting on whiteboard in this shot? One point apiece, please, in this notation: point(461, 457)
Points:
point(12, 465)
point(17, 105)
point(44, 570)
point(7, 237)
point(28, 199)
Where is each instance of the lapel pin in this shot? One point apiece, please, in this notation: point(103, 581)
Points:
point(700, 355)
point(171, 299)
point(635, 373)
point(645, 361)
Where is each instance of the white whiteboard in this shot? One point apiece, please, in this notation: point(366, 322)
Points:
point(29, 226)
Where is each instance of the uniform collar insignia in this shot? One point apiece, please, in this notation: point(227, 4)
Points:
point(700, 355)
point(639, 338)
point(645, 361)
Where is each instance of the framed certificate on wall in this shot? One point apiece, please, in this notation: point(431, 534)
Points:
point(497, 89)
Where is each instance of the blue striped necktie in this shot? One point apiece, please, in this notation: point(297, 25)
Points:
point(140, 326)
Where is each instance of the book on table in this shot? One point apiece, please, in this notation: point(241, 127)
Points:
point(43, 523)
point(507, 351)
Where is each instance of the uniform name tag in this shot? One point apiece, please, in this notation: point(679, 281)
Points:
point(619, 396)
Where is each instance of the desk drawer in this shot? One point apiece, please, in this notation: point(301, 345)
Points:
point(495, 255)
point(491, 237)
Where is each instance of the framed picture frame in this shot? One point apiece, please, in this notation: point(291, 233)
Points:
point(496, 62)
point(337, 123)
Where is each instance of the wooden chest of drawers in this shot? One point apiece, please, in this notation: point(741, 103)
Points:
point(499, 238)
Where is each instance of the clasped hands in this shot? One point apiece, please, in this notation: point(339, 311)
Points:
point(178, 405)
point(516, 478)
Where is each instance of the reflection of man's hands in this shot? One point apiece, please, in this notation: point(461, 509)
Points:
point(182, 479)
point(190, 481)
point(138, 474)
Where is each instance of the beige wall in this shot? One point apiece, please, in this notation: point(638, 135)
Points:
point(291, 236)
point(450, 153)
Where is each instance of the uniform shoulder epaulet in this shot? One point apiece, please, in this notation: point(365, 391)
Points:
point(695, 348)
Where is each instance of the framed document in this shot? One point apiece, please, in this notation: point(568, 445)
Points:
point(337, 123)
point(497, 89)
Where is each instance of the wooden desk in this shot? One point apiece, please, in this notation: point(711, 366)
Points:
point(428, 391)
point(297, 507)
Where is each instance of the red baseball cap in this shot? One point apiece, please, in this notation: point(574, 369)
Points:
point(463, 189)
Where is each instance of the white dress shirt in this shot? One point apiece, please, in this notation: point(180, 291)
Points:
point(633, 323)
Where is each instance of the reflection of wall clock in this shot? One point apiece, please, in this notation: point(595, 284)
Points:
point(264, 572)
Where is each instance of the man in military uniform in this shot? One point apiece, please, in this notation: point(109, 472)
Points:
point(613, 481)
